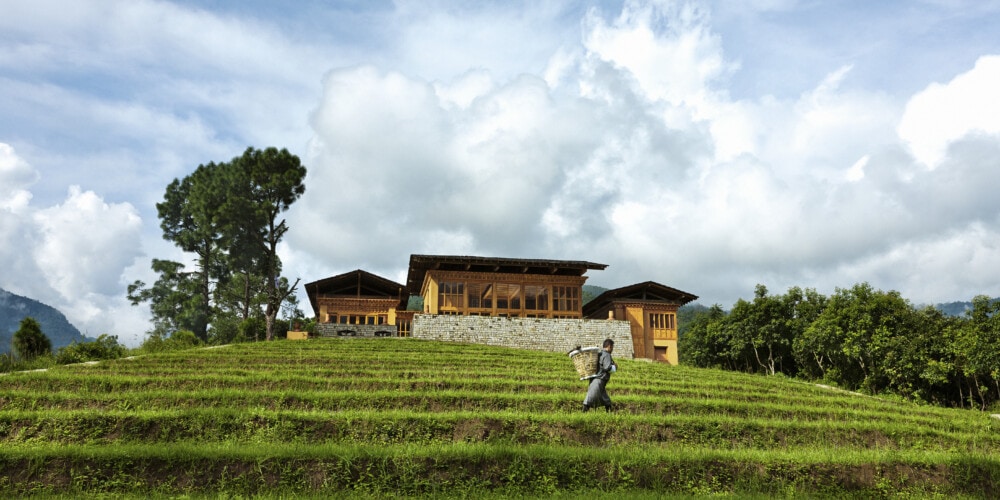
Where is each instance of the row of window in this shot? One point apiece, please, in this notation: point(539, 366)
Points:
point(511, 298)
point(663, 325)
point(403, 326)
point(357, 319)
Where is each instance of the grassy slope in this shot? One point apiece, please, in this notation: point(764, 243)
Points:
point(413, 417)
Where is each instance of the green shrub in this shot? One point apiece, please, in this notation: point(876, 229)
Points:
point(105, 347)
point(225, 330)
point(181, 339)
point(252, 329)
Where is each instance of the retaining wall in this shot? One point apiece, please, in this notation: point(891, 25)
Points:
point(342, 330)
point(554, 335)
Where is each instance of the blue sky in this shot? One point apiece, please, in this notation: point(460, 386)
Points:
point(705, 145)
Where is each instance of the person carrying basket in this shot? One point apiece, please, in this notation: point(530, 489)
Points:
point(597, 393)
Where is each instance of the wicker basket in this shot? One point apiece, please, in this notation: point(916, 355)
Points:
point(585, 361)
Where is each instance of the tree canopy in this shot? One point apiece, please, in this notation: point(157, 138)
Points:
point(860, 339)
point(228, 216)
point(29, 342)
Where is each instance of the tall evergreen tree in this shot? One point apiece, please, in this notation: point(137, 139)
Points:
point(276, 180)
point(29, 342)
point(228, 216)
point(189, 219)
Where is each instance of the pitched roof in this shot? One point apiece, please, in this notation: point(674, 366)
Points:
point(420, 264)
point(648, 291)
point(357, 283)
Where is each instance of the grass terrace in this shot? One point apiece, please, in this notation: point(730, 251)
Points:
point(404, 417)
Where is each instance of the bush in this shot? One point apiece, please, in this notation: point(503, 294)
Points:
point(181, 339)
point(10, 363)
point(253, 329)
point(29, 341)
point(105, 347)
point(224, 330)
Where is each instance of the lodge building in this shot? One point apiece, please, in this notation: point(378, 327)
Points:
point(359, 302)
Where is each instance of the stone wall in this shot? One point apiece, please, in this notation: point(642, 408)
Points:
point(554, 335)
point(342, 330)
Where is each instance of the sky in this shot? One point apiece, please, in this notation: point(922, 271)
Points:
point(705, 145)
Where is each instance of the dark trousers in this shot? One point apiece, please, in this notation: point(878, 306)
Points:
point(597, 394)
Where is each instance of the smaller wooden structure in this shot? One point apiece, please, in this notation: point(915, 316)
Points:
point(651, 310)
point(360, 298)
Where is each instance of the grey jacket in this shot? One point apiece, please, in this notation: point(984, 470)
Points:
point(604, 364)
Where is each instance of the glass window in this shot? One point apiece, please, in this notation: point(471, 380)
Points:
point(403, 327)
point(663, 325)
point(479, 295)
point(566, 298)
point(508, 297)
point(451, 294)
point(536, 298)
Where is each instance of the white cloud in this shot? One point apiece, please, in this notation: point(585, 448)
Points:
point(667, 47)
point(72, 255)
point(943, 113)
point(630, 152)
point(85, 243)
point(708, 145)
point(15, 176)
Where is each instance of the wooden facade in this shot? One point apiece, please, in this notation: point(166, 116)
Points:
point(488, 286)
point(651, 310)
point(501, 287)
point(360, 298)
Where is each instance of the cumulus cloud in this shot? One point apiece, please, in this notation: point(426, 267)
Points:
point(84, 242)
point(71, 255)
point(706, 145)
point(629, 151)
point(15, 177)
point(944, 113)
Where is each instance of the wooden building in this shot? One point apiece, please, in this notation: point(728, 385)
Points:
point(490, 286)
point(651, 310)
point(499, 287)
point(360, 298)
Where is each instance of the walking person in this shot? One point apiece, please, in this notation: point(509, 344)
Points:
point(597, 393)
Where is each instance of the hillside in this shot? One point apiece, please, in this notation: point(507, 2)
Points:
point(408, 417)
point(55, 326)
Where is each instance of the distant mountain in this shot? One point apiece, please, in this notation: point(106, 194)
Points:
point(55, 326)
point(954, 308)
point(590, 292)
point(957, 308)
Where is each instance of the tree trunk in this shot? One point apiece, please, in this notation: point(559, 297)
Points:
point(982, 399)
point(961, 394)
point(819, 362)
point(246, 295)
point(269, 320)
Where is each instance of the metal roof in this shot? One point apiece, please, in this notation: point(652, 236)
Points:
point(357, 283)
point(646, 291)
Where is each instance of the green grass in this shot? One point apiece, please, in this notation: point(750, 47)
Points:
point(403, 417)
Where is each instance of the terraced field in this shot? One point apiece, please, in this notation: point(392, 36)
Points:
point(406, 417)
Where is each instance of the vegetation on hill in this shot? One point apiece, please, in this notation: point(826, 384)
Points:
point(859, 339)
point(590, 292)
point(403, 417)
point(14, 308)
